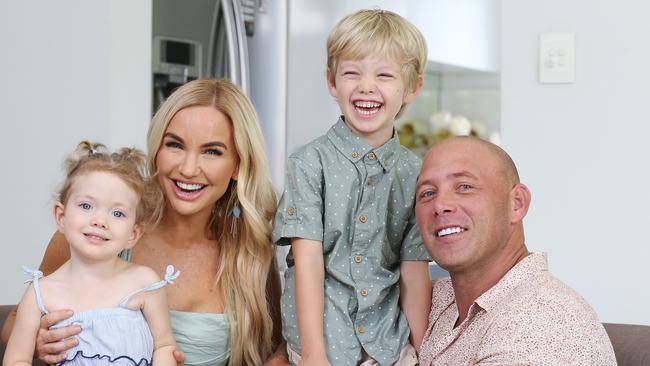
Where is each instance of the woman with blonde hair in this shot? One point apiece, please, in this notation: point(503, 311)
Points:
point(206, 150)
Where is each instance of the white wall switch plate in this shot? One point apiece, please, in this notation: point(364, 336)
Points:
point(557, 58)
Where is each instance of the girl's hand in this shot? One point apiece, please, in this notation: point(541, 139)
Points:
point(52, 344)
point(179, 357)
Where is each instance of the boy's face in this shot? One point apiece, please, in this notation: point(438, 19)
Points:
point(370, 93)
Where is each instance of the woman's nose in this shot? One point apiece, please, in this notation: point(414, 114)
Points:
point(189, 166)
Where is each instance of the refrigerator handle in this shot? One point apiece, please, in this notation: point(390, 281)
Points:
point(242, 48)
point(229, 23)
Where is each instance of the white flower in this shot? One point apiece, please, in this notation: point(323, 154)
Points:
point(495, 138)
point(460, 126)
point(479, 127)
point(440, 120)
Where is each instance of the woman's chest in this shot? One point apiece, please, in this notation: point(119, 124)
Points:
point(196, 290)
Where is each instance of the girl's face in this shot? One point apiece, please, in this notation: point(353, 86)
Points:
point(99, 219)
point(196, 160)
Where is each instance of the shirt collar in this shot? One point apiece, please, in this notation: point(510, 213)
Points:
point(530, 265)
point(355, 148)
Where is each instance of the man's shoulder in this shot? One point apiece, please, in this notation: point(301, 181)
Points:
point(547, 315)
point(546, 299)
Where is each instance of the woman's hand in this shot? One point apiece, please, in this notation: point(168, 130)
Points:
point(52, 344)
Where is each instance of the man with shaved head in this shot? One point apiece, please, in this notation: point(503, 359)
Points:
point(500, 305)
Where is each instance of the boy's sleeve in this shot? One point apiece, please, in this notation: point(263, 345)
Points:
point(413, 248)
point(300, 210)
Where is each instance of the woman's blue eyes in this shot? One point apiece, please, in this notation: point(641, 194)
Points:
point(214, 152)
point(173, 144)
point(177, 145)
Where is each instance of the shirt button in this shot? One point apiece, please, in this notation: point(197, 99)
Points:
point(357, 258)
point(372, 156)
point(364, 292)
point(370, 182)
point(355, 154)
point(363, 218)
point(386, 162)
point(361, 329)
point(291, 211)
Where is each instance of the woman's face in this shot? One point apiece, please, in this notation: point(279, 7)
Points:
point(196, 159)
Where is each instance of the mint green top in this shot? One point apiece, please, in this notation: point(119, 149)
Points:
point(203, 337)
point(359, 202)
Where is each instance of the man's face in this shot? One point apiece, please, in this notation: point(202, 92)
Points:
point(463, 205)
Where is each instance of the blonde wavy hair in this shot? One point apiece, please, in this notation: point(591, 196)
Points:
point(371, 32)
point(128, 164)
point(247, 255)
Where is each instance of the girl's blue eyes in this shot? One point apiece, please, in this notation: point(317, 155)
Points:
point(118, 214)
point(87, 206)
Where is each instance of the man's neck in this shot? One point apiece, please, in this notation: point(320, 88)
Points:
point(470, 285)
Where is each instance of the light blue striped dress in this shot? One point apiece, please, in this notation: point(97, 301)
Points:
point(109, 336)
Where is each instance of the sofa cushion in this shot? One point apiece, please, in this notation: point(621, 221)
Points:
point(631, 343)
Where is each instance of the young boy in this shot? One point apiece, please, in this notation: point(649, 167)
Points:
point(348, 208)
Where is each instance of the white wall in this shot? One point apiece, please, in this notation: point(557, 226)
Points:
point(583, 148)
point(71, 70)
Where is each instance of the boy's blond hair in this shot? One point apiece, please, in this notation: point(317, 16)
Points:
point(378, 32)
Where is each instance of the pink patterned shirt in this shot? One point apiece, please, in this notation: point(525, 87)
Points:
point(528, 318)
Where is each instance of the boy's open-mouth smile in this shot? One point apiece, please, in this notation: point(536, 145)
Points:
point(366, 107)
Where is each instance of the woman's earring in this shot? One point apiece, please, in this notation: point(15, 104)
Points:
point(234, 213)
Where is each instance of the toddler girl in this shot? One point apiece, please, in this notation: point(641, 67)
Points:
point(102, 209)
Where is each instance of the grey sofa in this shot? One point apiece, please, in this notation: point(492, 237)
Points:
point(631, 342)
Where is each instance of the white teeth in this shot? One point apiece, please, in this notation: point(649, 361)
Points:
point(367, 105)
point(188, 187)
point(450, 230)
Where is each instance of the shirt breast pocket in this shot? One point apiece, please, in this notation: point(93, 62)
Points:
point(395, 228)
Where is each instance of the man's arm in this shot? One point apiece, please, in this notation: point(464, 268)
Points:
point(415, 298)
point(310, 299)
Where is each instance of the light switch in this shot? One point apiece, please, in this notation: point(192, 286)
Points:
point(557, 58)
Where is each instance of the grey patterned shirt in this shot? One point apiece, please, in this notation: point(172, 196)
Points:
point(359, 203)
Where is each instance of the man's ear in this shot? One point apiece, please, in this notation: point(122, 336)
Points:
point(411, 94)
point(138, 230)
point(520, 198)
point(59, 215)
point(331, 85)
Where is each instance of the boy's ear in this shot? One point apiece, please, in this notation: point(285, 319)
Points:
point(138, 230)
point(330, 83)
point(59, 215)
point(411, 94)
